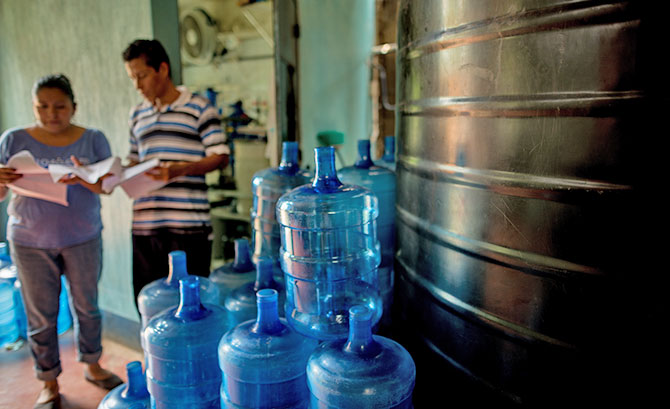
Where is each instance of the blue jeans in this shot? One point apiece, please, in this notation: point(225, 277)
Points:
point(39, 271)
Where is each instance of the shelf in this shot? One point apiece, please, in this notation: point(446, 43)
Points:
point(227, 214)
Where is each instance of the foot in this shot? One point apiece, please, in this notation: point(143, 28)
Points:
point(96, 372)
point(49, 393)
point(101, 377)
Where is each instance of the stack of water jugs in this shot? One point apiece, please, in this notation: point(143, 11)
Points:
point(212, 353)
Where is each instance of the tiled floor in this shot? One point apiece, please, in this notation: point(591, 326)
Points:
point(19, 387)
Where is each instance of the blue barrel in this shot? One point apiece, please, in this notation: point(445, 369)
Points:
point(263, 361)
point(329, 252)
point(235, 274)
point(240, 305)
point(363, 371)
point(164, 293)
point(133, 394)
point(381, 182)
point(268, 185)
point(181, 352)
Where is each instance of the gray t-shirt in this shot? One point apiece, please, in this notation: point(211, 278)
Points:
point(42, 224)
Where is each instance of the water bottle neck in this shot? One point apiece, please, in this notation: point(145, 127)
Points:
point(190, 307)
point(177, 261)
point(137, 382)
point(267, 319)
point(264, 275)
point(364, 161)
point(289, 159)
point(389, 149)
point(360, 341)
point(242, 257)
point(326, 180)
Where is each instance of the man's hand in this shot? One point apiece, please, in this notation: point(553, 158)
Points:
point(168, 170)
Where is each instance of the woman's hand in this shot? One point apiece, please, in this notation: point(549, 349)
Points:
point(8, 175)
point(73, 179)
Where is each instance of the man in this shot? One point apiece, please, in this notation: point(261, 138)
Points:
point(183, 131)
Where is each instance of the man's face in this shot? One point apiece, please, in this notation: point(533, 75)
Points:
point(150, 83)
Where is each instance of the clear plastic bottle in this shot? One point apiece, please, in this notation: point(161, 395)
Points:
point(181, 351)
point(240, 304)
point(268, 185)
point(364, 371)
point(235, 274)
point(382, 183)
point(133, 394)
point(329, 252)
point(263, 361)
point(164, 293)
point(388, 159)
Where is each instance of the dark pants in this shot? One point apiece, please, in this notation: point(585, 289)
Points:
point(150, 256)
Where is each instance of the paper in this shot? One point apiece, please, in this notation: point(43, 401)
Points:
point(35, 181)
point(89, 173)
point(133, 180)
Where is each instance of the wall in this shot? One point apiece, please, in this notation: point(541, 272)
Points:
point(84, 40)
point(336, 38)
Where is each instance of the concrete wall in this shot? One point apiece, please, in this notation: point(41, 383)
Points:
point(82, 39)
point(336, 38)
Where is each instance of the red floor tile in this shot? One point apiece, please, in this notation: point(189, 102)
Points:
point(19, 387)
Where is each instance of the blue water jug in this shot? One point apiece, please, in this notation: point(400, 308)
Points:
point(133, 394)
point(268, 185)
point(235, 274)
point(388, 159)
point(9, 273)
point(329, 252)
point(164, 292)
point(240, 305)
point(181, 351)
point(381, 182)
point(64, 315)
point(9, 330)
point(263, 361)
point(364, 371)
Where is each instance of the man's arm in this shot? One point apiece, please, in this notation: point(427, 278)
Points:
point(170, 170)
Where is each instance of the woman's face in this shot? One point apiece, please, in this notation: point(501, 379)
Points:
point(53, 109)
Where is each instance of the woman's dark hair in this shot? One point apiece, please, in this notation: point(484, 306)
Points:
point(58, 81)
point(153, 52)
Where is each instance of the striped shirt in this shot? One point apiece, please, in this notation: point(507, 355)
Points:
point(189, 129)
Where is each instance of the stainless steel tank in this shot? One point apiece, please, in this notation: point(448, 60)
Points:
point(520, 126)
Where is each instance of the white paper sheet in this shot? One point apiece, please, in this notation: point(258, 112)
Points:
point(90, 173)
point(133, 180)
point(36, 181)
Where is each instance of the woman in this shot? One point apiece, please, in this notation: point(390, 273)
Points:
point(47, 239)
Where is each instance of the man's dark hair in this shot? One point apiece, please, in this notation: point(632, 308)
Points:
point(58, 81)
point(153, 52)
